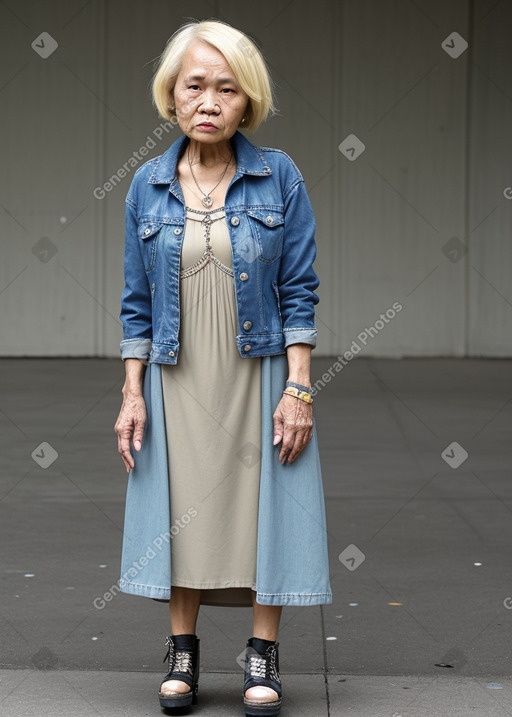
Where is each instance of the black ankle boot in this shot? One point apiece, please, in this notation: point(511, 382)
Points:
point(183, 656)
point(262, 670)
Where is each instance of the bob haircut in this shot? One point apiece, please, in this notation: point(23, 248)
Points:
point(242, 55)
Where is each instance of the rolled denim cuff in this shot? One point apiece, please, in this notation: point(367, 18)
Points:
point(300, 336)
point(136, 348)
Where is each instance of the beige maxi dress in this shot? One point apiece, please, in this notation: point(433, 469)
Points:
point(212, 400)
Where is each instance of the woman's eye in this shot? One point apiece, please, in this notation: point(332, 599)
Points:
point(227, 89)
point(193, 87)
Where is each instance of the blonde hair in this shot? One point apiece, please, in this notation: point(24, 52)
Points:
point(243, 56)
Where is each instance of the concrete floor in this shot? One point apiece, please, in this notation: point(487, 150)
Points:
point(421, 626)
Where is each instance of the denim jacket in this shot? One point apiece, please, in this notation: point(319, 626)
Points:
point(272, 232)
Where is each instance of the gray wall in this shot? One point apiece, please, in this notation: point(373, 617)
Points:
point(420, 217)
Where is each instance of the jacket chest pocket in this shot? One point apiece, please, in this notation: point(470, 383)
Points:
point(148, 233)
point(267, 227)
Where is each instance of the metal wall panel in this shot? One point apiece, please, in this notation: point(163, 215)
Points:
point(51, 138)
point(489, 207)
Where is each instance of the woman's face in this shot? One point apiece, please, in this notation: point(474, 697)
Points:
point(206, 91)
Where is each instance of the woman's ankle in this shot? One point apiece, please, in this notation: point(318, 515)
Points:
point(260, 644)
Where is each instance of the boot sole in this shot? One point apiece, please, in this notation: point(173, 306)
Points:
point(271, 709)
point(169, 703)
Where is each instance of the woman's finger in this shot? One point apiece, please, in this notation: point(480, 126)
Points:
point(138, 433)
point(296, 446)
point(300, 432)
point(278, 425)
point(289, 437)
point(128, 462)
point(302, 438)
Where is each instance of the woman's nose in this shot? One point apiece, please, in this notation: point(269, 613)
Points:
point(208, 101)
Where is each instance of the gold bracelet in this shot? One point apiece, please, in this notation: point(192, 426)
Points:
point(303, 395)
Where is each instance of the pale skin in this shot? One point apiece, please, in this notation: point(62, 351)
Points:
point(207, 91)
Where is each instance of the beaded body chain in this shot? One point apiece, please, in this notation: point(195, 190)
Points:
point(208, 254)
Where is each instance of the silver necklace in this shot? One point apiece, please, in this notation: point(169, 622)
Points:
point(207, 201)
point(188, 185)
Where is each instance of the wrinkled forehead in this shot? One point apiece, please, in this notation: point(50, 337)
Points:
point(203, 61)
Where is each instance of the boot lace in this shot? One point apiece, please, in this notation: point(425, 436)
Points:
point(257, 666)
point(263, 666)
point(178, 661)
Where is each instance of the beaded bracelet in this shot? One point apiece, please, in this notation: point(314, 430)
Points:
point(309, 389)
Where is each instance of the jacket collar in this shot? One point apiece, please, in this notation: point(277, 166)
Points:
point(249, 159)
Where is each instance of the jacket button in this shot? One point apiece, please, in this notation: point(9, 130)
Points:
point(235, 221)
point(244, 276)
point(269, 219)
point(171, 353)
point(247, 347)
point(146, 232)
point(178, 231)
point(247, 325)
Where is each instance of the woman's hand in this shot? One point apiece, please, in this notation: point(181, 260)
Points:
point(130, 425)
point(293, 424)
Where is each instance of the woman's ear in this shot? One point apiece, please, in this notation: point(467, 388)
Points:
point(172, 103)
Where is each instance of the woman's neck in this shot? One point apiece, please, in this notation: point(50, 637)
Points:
point(208, 155)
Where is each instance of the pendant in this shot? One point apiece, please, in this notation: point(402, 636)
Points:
point(207, 201)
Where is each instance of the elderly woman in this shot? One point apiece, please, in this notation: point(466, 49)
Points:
point(224, 503)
